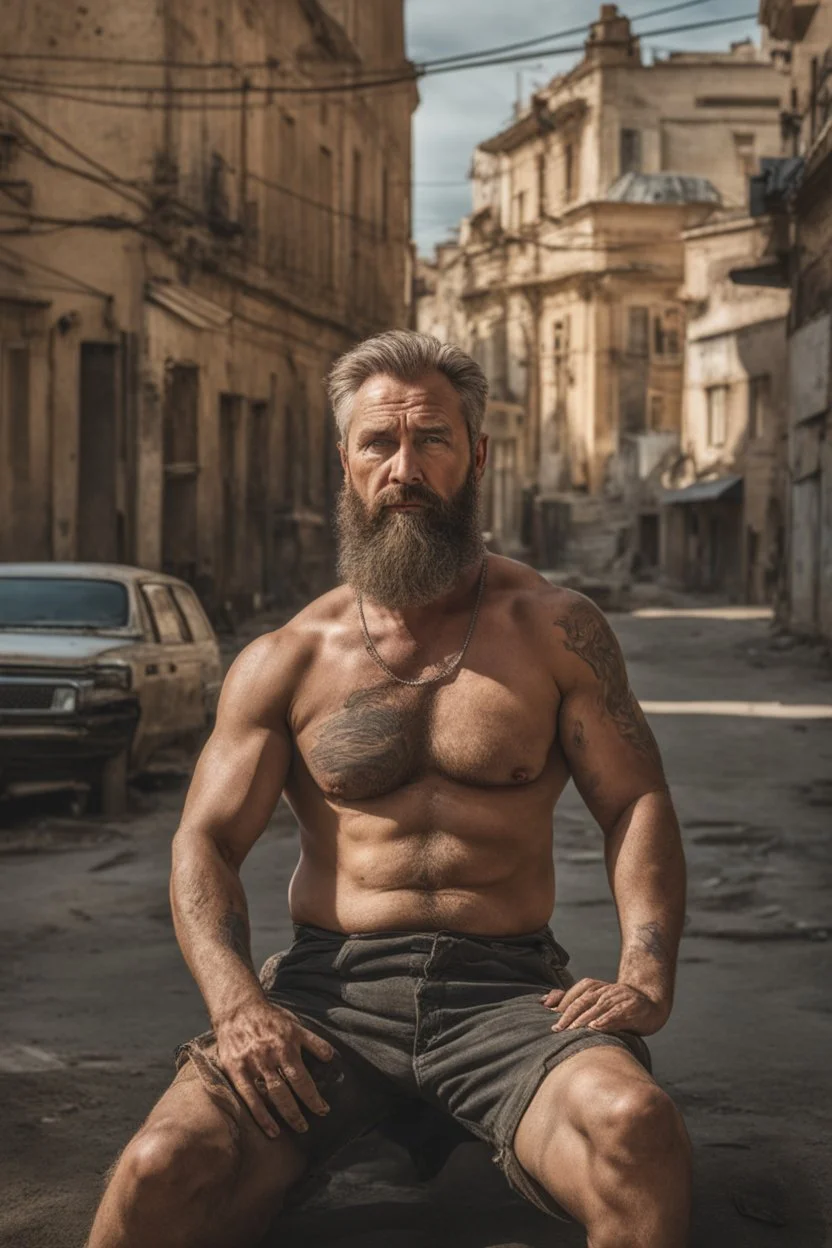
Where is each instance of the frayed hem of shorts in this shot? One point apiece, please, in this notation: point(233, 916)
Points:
point(505, 1157)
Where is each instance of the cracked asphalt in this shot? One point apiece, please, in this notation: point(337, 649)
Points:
point(94, 995)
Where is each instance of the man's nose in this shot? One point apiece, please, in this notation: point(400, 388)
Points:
point(405, 468)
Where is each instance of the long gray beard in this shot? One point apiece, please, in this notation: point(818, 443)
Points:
point(408, 559)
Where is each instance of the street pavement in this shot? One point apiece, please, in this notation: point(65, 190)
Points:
point(94, 995)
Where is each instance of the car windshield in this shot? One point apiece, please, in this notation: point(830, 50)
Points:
point(61, 602)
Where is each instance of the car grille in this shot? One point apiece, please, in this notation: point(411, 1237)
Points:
point(28, 697)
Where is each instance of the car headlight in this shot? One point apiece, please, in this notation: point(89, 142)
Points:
point(116, 676)
point(64, 700)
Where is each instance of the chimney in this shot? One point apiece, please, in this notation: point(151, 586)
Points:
point(611, 41)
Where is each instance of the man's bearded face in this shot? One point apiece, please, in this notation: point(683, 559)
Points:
point(408, 558)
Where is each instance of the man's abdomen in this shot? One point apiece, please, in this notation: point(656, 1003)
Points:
point(470, 862)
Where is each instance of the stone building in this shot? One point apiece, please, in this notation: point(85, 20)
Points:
point(724, 521)
point(566, 278)
point(193, 224)
point(799, 189)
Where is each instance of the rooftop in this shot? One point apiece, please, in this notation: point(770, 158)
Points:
point(663, 188)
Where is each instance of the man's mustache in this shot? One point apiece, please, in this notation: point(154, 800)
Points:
point(398, 495)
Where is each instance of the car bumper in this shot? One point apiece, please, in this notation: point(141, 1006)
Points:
point(37, 747)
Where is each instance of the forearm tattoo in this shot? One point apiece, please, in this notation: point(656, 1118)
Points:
point(591, 638)
point(652, 940)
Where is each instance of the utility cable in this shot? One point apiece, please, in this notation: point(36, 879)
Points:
point(557, 34)
point(274, 62)
point(67, 277)
point(248, 89)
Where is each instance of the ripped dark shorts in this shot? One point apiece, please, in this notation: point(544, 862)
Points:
point(439, 1017)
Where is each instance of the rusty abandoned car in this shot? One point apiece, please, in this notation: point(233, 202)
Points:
point(101, 666)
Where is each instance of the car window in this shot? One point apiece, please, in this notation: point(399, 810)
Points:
point(167, 621)
point(62, 602)
point(195, 617)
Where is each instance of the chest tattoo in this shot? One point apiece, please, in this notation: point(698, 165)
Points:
point(374, 744)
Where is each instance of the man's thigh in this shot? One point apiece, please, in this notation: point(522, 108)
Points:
point(200, 1114)
point(491, 1049)
point(290, 1163)
point(557, 1141)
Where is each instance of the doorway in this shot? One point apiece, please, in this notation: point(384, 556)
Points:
point(180, 424)
point(98, 411)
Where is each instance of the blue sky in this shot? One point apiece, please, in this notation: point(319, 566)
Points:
point(459, 110)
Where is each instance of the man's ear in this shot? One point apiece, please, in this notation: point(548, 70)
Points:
point(342, 451)
point(480, 456)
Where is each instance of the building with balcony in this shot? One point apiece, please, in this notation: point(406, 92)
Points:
point(565, 279)
point(200, 208)
point(724, 514)
point(799, 191)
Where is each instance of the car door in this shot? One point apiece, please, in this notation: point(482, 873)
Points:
point(175, 687)
point(207, 646)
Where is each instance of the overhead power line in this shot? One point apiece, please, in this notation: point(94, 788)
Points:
point(557, 34)
point(274, 62)
point(247, 89)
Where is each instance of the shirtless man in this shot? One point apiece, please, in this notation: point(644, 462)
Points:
point(422, 721)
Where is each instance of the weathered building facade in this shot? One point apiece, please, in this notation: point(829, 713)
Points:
point(724, 519)
point(804, 200)
point(197, 215)
point(567, 277)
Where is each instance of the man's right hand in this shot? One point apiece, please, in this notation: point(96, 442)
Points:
point(259, 1048)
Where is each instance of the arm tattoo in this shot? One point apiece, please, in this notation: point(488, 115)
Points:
point(234, 936)
point(590, 637)
point(652, 941)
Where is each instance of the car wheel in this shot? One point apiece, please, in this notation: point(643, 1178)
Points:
point(109, 791)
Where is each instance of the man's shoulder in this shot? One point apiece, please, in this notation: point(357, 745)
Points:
point(278, 659)
point(534, 598)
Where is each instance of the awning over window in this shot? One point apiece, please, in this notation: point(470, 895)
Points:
point(724, 489)
point(185, 304)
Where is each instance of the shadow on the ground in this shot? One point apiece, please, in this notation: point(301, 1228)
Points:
point(374, 1199)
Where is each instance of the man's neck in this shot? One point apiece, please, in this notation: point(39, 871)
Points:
point(420, 622)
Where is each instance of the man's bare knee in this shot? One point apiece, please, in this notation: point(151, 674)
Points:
point(166, 1158)
point(635, 1122)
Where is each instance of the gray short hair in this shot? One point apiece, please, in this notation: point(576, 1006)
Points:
point(408, 356)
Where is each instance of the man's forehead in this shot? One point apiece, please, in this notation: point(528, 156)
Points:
point(429, 396)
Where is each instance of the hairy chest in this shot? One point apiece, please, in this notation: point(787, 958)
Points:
point(478, 730)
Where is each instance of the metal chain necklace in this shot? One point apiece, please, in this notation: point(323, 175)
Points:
point(451, 667)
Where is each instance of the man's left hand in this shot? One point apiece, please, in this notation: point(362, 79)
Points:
point(601, 1006)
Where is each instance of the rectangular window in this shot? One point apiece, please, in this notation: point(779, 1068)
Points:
point(16, 403)
point(638, 330)
point(656, 412)
point(659, 343)
point(191, 609)
point(717, 397)
point(519, 209)
point(630, 156)
point(746, 155)
point(562, 330)
point(357, 187)
point(569, 172)
point(541, 186)
point(385, 204)
point(326, 215)
point(759, 406)
point(288, 206)
point(167, 622)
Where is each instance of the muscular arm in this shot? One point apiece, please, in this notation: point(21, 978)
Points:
point(236, 786)
point(617, 768)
